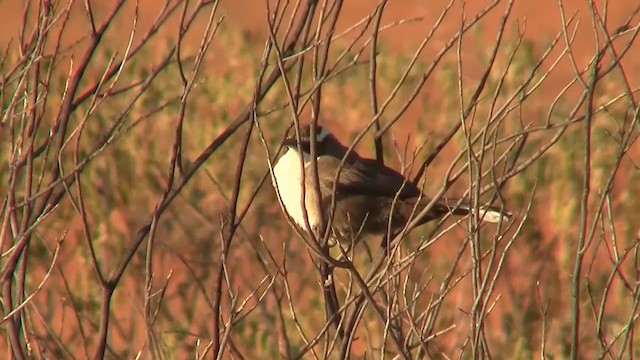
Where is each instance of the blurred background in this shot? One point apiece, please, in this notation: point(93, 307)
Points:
point(538, 84)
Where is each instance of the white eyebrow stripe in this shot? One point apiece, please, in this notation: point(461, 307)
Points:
point(322, 133)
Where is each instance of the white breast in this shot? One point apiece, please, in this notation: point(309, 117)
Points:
point(288, 178)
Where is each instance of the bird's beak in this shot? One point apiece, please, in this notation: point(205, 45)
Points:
point(292, 143)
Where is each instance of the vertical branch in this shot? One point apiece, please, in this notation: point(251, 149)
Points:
point(584, 211)
point(229, 229)
point(24, 145)
point(321, 57)
point(320, 60)
point(373, 89)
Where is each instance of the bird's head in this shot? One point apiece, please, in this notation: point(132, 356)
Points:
point(326, 143)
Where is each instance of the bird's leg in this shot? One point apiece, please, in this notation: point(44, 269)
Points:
point(330, 294)
point(325, 269)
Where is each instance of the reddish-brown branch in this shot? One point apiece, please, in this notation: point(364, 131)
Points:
point(228, 233)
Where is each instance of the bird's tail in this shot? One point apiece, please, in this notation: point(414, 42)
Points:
point(462, 207)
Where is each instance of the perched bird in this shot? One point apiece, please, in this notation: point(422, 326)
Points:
point(369, 197)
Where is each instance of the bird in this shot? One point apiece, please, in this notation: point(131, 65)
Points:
point(370, 198)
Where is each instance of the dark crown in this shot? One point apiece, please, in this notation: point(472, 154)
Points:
point(305, 137)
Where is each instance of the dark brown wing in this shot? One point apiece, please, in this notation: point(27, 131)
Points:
point(365, 177)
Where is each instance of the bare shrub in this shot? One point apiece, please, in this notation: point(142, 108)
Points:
point(136, 222)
